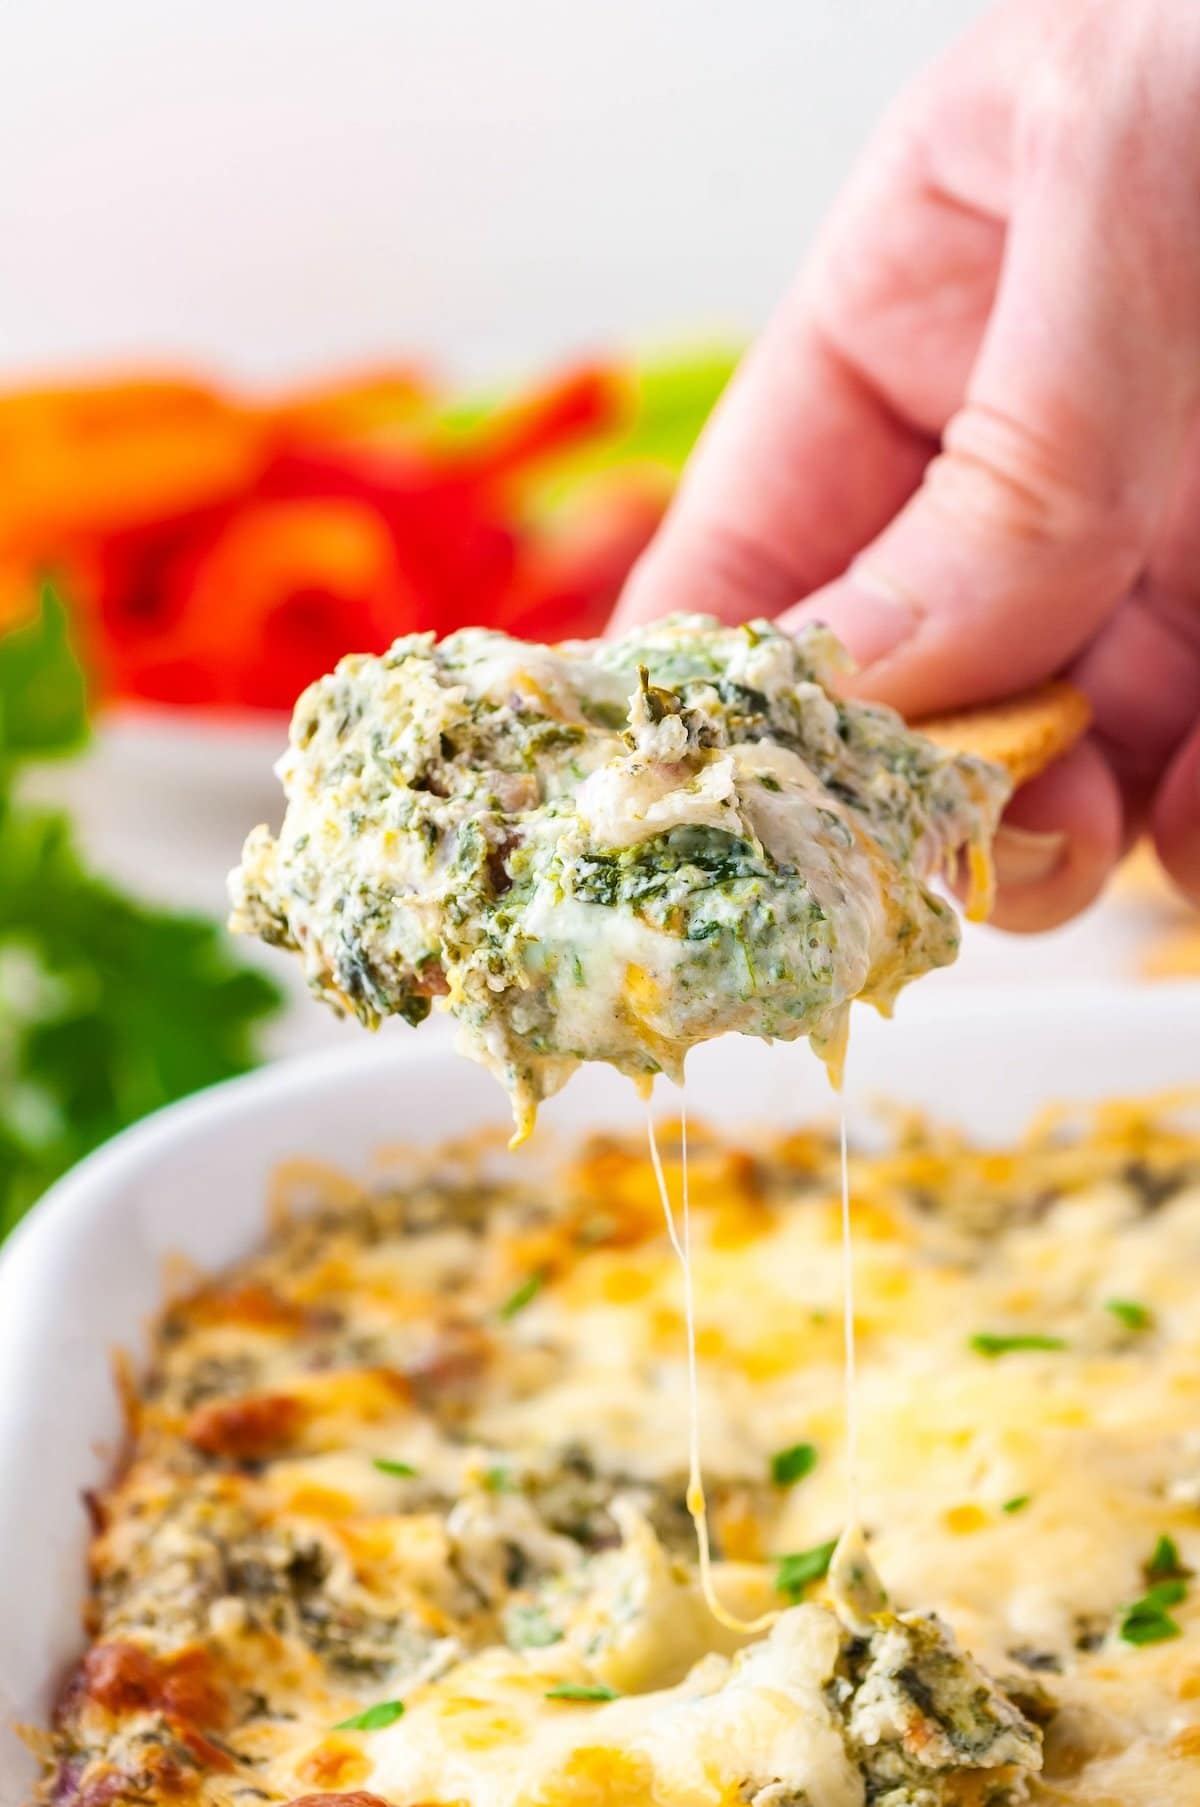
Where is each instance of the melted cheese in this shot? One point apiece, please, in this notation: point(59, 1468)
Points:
point(489, 1734)
point(585, 865)
point(697, 1503)
point(254, 1546)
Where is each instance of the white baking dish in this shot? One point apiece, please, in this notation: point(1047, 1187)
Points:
point(85, 1272)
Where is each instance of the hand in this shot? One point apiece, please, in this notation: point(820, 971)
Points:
point(970, 437)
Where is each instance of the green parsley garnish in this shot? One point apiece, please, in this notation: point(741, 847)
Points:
point(403, 1471)
point(1147, 1620)
point(109, 1006)
point(375, 1719)
point(580, 1691)
point(1165, 1562)
point(498, 1479)
point(523, 1295)
point(799, 1570)
point(1017, 1503)
point(1131, 1313)
point(769, 781)
point(992, 1343)
point(791, 1465)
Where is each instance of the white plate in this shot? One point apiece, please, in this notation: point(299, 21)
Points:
point(85, 1272)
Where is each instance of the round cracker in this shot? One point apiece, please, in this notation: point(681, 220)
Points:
point(1024, 734)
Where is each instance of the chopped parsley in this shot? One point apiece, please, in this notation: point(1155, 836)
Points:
point(374, 1719)
point(1131, 1313)
point(402, 1471)
point(522, 1295)
point(1147, 1621)
point(992, 1343)
point(109, 1006)
point(799, 1570)
point(581, 1691)
point(1165, 1562)
point(1017, 1503)
point(498, 1479)
point(791, 1465)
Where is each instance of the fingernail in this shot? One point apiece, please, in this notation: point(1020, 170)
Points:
point(1025, 857)
point(869, 617)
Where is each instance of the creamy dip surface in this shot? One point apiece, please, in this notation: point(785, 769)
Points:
point(611, 850)
point(404, 1505)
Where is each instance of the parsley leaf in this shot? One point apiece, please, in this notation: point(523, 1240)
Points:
point(374, 1719)
point(791, 1465)
point(1017, 1503)
point(1165, 1563)
point(522, 1295)
point(1147, 1620)
point(581, 1691)
point(1149, 1628)
point(109, 1007)
point(799, 1570)
point(43, 706)
point(403, 1471)
point(1131, 1313)
point(992, 1344)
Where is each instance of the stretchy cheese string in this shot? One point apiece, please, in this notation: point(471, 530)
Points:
point(697, 1504)
point(849, 1362)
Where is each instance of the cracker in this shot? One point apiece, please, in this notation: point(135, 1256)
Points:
point(1024, 734)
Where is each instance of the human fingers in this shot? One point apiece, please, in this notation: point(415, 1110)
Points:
point(1060, 838)
point(1175, 817)
point(801, 463)
point(1040, 511)
point(837, 409)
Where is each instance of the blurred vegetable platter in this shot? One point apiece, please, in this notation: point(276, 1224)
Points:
point(218, 550)
point(210, 550)
point(108, 1008)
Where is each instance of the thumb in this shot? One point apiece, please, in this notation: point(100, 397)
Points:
point(1038, 513)
point(990, 579)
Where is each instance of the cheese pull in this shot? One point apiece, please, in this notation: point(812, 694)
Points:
point(1023, 735)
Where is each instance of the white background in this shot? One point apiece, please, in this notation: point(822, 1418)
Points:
point(271, 186)
point(272, 189)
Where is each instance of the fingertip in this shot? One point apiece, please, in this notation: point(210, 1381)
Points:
point(1059, 841)
point(700, 572)
point(871, 621)
point(1175, 821)
point(638, 600)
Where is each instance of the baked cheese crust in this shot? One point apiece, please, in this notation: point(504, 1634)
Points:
point(403, 1514)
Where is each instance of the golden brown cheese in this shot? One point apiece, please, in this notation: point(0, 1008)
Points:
point(420, 1464)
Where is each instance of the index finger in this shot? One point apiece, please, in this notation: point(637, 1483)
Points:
point(801, 464)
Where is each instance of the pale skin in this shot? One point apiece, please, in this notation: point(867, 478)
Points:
point(969, 439)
